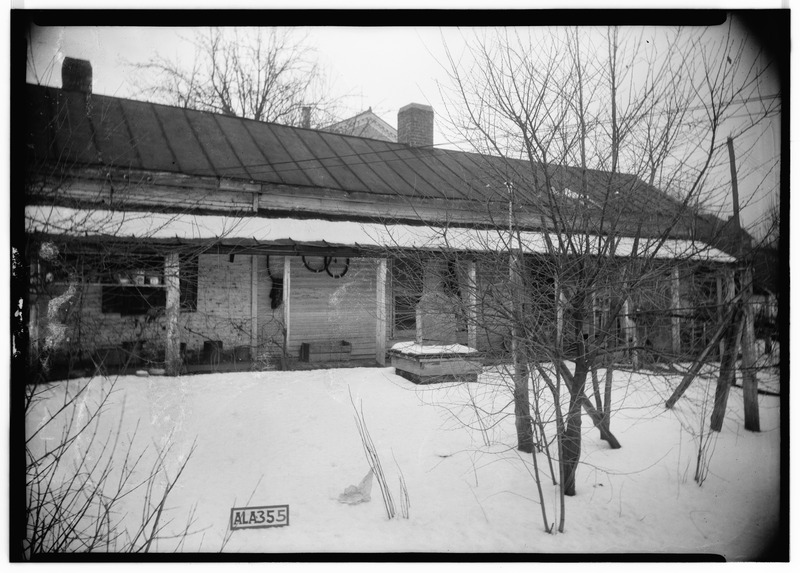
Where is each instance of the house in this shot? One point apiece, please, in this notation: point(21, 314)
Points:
point(365, 124)
point(167, 234)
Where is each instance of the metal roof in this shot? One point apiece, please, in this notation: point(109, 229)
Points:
point(72, 127)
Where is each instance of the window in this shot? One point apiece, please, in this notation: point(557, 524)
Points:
point(142, 290)
point(407, 291)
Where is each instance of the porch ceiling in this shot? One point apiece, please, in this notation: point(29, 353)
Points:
point(315, 234)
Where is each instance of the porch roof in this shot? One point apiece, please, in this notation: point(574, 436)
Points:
point(317, 233)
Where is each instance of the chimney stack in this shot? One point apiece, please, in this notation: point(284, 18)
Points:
point(306, 117)
point(415, 125)
point(76, 75)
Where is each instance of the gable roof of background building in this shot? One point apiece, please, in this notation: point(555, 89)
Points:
point(364, 124)
point(72, 128)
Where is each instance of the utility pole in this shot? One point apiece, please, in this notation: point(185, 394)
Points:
point(749, 380)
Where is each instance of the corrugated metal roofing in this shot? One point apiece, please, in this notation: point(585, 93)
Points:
point(99, 130)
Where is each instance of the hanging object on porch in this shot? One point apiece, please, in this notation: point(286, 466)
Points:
point(276, 292)
point(335, 268)
point(331, 265)
point(314, 269)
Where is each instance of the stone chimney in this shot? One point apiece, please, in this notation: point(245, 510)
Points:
point(76, 75)
point(415, 125)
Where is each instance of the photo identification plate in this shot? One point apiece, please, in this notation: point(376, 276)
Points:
point(259, 517)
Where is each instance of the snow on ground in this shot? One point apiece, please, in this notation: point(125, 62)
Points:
point(272, 438)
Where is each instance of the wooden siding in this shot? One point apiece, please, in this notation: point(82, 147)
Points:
point(324, 308)
point(270, 320)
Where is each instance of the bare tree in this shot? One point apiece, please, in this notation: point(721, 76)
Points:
point(266, 74)
point(626, 112)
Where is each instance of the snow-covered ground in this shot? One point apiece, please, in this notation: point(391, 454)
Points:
point(290, 438)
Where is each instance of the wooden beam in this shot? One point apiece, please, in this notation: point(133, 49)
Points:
point(253, 306)
point(472, 305)
point(176, 192)
point(380, 313)
point(173, 311)
point(675, 304)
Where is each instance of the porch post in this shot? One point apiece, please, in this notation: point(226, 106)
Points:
point(472, 305)
point(287, 283)
point(674, 309)
point(631, 337)
point(173, 303)
point(380, 313)
point(253, 307)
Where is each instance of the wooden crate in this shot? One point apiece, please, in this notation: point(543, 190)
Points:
point(325, 351)
point(431, 369)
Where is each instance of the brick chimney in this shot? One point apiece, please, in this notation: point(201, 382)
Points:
point(415, 125)
point(76, 75)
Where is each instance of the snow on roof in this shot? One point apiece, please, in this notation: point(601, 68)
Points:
point(154, 226)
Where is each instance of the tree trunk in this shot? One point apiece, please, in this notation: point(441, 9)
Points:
point(727, 371)
point(600, 421)
point(571, 444)
point(522, 407)
point(607, 399)
point(522, 403)
point(749, 380)
point(571, 438)
point(695, 368)
point(598, 401)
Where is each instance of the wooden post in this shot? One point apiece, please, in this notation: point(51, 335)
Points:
point(748, 339)
point(253, 307)
point(472, 305)
point(380, 313)
point(675, 290)
point(287, 287)
point(173, 310)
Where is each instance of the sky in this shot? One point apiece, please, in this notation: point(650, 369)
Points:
point(382, 68)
